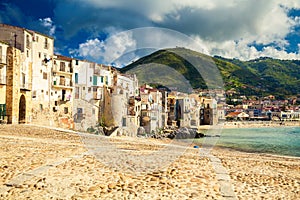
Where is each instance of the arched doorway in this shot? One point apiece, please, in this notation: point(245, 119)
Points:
point(22, 110)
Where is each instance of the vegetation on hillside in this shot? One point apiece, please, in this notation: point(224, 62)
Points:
point(259, 77)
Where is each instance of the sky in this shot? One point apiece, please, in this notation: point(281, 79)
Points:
point(104, 31)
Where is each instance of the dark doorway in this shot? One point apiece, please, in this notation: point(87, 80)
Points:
point(63, 93)
point(22, 110)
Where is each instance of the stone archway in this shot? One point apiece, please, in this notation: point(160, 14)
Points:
point(22, 110)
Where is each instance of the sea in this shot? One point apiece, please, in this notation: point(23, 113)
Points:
point(283, 141)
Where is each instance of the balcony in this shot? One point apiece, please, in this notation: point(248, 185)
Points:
point(28, 44)
point(97, 95)
point(62, 70)
point(25, 86)
point(63, 84)
point(2, 80)
point(2, 60)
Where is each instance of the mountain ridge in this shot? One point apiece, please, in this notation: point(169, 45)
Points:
point(260, 77)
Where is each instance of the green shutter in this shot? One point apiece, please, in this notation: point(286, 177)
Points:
point(95, 80)
point(76, 77)
point(2, 110)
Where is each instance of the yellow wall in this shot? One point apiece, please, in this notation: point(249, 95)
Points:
point(2, 94)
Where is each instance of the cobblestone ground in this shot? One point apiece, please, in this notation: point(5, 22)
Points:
point(39, 163)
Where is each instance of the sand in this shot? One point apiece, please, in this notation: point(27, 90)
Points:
point(39, 163)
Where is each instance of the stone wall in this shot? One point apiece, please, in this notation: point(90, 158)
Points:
point(12, 82)
point(13, 90)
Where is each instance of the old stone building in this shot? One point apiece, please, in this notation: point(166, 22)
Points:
point(15, 74)
point(18, 88)
point(61, 93)
point(91, 83)
point(31, 58)
point(3, 50)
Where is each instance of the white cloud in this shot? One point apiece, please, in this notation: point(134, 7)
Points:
point(242, 51)
point(220, 26)
point(48, 23)
point(107, 51)
point(91, 48)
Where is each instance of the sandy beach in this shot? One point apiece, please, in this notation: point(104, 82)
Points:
point(39, 163)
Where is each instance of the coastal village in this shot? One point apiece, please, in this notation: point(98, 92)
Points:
point(40, 87)
point(47, 90)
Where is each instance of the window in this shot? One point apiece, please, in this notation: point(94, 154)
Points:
point(40, 54)
point(47, 93)
point(2, 111)
point(76, 77)
point(23, 80)
point(45, 75)
point(76, 92)
point(79, 115)
point(123, 121)
point(27, 53)
point(62, 80)
point(34, 94)
point(54, 109)
point(66, 110)
point(76, 62)
point(0, 54)
point(91, 79)
point(95, 80)
point(37, 38)
point(46, 44)
point(89, 89)
point(62, 66)
point(27, 41)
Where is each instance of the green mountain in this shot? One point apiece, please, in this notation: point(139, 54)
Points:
point(190, 69)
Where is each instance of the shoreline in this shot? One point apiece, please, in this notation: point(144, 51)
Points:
point(261, 124)
point(255, 152)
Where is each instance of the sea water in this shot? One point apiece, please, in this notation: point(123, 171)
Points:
point(277, 140)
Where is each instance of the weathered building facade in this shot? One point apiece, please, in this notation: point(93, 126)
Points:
point(18, 95)
point(3, 64)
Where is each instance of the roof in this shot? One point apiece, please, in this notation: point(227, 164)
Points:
point(237, 114)
point(25, 29)
point(60, 57)
point(3, 42)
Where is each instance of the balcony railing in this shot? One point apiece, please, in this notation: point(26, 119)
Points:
point(2, 59)
point(63, 83)
point(57, 68)
point(97, 95)
point(28, 45)
point(26, 86)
